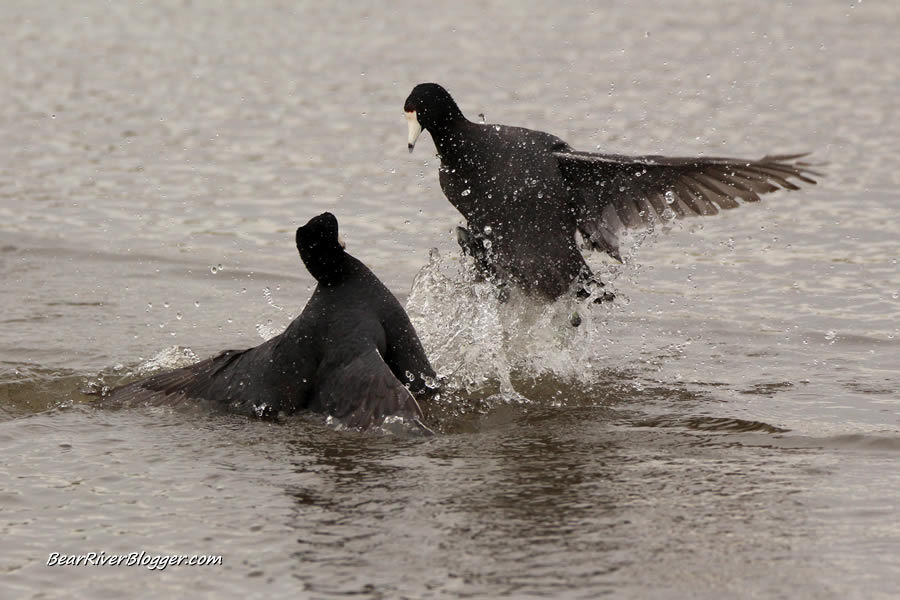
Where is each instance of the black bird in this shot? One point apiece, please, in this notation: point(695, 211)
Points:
point(527, 192)
point(351, 353)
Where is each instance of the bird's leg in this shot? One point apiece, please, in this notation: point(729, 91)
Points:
point(470, 246)
point(474, 245)
point(586, 282)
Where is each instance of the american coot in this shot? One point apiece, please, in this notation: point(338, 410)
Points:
point(351, 353)
point(525, 193)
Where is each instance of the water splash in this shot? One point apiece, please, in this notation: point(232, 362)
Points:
point(270, 300)
point(391, 425)
point(173, 357)
point(482, 346)
point(267, 330)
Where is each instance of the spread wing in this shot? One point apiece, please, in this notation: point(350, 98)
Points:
point(362, 392)
point(614, 192)
point(197, 381)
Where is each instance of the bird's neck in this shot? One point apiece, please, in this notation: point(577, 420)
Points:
point(343, 269)
point(450, 137)
point(329, 268)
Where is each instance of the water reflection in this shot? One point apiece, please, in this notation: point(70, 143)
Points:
point(555, 500)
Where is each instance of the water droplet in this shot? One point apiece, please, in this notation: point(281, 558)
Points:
point(670, 197)
point(166, 304)
point(487, 244)
point(830, 335)
point(410, 376)
point(178, 316)
point(466, 192)
point(196, 304)
point(668, 214)
point(214, 269)
point(488, 230)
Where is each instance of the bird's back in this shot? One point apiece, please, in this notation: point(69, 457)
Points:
point(509, 187)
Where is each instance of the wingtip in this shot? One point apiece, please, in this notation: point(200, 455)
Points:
point(783, 157)
point(793, 159)
point(802, 169)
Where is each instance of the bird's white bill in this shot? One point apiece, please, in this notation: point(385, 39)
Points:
point(415, 130)
point(342, 242)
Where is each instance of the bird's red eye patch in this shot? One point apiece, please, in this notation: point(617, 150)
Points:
point(409, 107)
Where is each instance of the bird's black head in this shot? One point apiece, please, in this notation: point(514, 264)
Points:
point(429, 106)
point(321, 249)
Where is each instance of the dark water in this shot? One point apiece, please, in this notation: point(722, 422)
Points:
point(730, 427)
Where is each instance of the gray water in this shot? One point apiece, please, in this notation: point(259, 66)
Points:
point(729, 427)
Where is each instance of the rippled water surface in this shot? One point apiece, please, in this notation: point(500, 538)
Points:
point(729, 427)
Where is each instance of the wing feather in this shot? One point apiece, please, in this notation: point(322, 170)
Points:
point(364, 391)
point(612, 192)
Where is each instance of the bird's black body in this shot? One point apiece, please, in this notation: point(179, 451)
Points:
point(351, 352)
point(528, 192)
